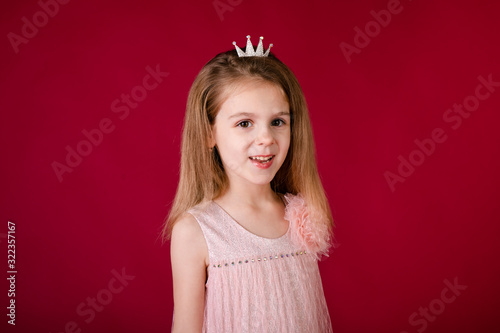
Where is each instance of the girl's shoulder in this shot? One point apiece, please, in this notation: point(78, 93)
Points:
point(189, 222)
point(188, 239)
point(199, 208)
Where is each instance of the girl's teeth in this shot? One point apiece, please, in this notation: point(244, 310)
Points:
point(261, 158)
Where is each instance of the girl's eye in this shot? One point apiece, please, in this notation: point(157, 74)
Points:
point(244, 124)
point(278, 122)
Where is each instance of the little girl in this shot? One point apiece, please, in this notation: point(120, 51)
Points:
point(250, 217)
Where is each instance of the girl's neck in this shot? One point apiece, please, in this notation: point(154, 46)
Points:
point(251, 196)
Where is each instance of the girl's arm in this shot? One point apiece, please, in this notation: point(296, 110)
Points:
point(189, 255)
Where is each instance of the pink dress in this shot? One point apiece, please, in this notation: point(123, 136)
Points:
point(258, 284)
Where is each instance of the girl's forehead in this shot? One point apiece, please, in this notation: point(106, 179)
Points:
point(241, 86)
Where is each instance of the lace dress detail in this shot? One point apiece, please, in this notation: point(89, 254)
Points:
point(258, 284)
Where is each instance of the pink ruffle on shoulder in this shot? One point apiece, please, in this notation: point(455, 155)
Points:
point(308, 228)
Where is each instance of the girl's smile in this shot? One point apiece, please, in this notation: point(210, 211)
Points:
point(262, 162)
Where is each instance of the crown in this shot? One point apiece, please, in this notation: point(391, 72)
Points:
point(250, 52)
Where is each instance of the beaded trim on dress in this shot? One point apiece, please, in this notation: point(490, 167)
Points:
point(258, 259)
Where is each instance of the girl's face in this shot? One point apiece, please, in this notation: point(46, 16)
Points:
point(252, 132)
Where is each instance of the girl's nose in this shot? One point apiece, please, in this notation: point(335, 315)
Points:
point(264, 136)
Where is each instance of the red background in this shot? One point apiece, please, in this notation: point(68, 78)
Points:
point(396, 247)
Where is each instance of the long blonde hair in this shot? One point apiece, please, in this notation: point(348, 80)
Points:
point(202, 176)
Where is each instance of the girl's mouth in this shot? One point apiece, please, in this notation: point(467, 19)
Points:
point(262, 162)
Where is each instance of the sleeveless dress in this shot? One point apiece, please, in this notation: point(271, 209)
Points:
point(258, 284)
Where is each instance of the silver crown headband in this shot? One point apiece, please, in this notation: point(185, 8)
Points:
point(250, 52)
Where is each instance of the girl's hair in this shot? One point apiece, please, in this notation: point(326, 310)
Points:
point(202, 175)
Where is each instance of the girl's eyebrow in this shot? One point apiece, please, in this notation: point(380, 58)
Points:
point(248, 114)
